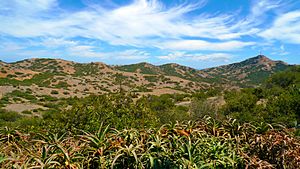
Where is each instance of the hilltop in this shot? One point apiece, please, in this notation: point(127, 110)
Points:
point(248, 73)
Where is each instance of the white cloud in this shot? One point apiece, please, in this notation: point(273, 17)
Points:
point(286, 28)
point(10, 47)
point(91, 52)
point(204, 45)
point(68, 48)
point(260, 7)
point(84, 51)
point(131, 54)
point(183, 56)
point(279, 51)
point(23, 8)
point(143, 23)
point(255, 21)
point(57, 42)
point(213, 57)
point(173, 56)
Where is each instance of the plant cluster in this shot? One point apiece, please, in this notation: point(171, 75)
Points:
point(202, 144)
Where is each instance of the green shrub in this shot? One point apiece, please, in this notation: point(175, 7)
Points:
point(66, 93)
point(151, 78)
point(7, 116)
point(3, 71)
point(48, 98)
point(26, 95)
point(55, 92)
point(61, 84)
point(11, 76)
point(26, 112)
point(19, 73)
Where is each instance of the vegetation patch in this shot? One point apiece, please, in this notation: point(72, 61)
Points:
point(140, 66)
point(85, 69)
point(55, 92)
point(152, 78)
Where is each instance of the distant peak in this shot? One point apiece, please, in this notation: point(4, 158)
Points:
point(262, 57)
point(171, 64)
point(262, 60)
point(146, 64)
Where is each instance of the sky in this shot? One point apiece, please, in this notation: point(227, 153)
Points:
point(195, 33)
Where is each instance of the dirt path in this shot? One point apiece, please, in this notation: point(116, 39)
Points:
point(22, 107)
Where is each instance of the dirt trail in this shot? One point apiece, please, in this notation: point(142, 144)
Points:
point(22, 107)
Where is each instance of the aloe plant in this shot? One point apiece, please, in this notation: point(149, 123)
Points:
point(200, 144)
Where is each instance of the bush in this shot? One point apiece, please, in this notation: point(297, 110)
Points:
point(116, 109)
point(54, 92)
point(66, 93)
point(6, 116)
point(26, 112)
point(26, 95)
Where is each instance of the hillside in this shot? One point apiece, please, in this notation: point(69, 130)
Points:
point(26, 81)
point(80, 79)
point(249, 73)
point(91, 78)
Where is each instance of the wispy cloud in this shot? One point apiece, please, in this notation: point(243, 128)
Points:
point(57, 42)
point(84, 51)
point(26, 8)
point(206, 46)
point(143, 29)
point(141, 23)
point(184, 56)
point(130, 54)
point(57, 47)
point(286, 28)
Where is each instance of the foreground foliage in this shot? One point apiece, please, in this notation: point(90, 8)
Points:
point(203, 144)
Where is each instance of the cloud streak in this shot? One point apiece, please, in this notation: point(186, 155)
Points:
point(141, 23)
point(285, 28)
point(206, 46)
point(184, 56)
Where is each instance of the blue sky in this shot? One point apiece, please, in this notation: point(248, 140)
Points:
point(196, 33)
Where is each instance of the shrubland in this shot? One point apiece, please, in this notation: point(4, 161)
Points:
point(255, 128)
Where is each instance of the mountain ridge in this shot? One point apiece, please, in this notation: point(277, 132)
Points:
point(81, 79)
point(252, 70)
point(146, 63)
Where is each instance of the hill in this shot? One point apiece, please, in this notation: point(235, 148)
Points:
point(249, 73)
point(78, 79)
point(32, 80)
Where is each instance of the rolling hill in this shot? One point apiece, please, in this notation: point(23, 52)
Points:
point(79, 79)
point(32, 83)
point(249, 73)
